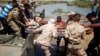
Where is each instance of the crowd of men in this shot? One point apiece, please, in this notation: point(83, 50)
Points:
point(22, 22)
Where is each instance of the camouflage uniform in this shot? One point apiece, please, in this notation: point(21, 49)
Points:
point(48, 30)
point(75, 33)
point(11, 20)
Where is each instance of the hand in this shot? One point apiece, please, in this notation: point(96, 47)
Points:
point(89, 31)
point(86, 26)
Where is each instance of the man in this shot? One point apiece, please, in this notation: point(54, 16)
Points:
point(71, 16)
point(75, 33)
point(13, 20)
point(95, 24)
point(48, 30)
point(60, 25)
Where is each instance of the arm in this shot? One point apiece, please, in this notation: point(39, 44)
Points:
point(38, 29)
point(16, 18)
point(83, 34)
point(66, 33)
point(88, 31)
point(95, 25)
point(54, 32)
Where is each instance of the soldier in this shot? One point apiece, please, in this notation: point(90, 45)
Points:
point(75, 33)
point(71, 16)
point(13, 19)
point(48, 30)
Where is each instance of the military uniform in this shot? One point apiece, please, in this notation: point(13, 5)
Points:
point(75, 33)
point(11, 20)
point(48, 30)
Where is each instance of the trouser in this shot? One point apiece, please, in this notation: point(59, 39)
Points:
point(76, 50)
point(42, 50)
point(58, 43)
point(92, 45)
point(24, 35)
point(17, 34)
point(14, 27)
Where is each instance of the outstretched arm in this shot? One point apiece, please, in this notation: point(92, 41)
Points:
point(95, 25)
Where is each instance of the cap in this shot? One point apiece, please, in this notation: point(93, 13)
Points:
point(71, 13)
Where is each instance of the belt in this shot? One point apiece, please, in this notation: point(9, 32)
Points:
point(73, 43)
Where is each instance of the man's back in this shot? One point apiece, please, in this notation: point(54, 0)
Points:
point(76, 32)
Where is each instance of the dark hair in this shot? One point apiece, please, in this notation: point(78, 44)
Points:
point(27, 5)
point(89, 15)
point(58, 17)
point(14, 1)
point(15, 5)
point(77, 14)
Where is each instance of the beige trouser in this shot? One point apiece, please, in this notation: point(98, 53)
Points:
point(14, 27)
point(76, 50)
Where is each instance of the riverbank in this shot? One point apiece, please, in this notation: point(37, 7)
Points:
point(83, 4)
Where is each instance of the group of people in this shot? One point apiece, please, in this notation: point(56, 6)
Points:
point(24, 23)
point(73, 33)
point(15, 18)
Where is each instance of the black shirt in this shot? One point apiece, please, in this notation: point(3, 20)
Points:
point(96, 29)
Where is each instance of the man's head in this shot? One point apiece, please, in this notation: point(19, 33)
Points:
point(59, 19)
point(77, 17)
point(71, 15)
point(37, 19)
point(91, 17)
point(15, 4)
point(51, 21)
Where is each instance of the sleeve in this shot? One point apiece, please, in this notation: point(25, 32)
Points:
point(66, 33)
point(84, 33)
point(39, 29)
point(16, 18)
point(9, 17)
point(54, 32)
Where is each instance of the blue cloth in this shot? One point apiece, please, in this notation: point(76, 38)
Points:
point(6, 11)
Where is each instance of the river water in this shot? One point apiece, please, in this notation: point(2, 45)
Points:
point(49, 8)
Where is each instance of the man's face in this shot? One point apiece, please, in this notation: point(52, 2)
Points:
point(38, 19)
point(71, 17)
point(77, 17)
point(58, 19)
point(91, 19)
